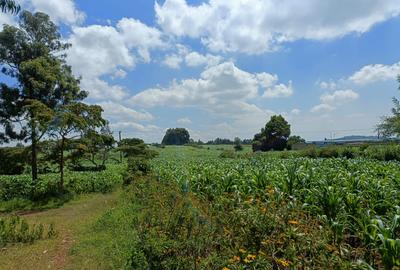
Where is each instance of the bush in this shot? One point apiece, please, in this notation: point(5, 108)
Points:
point(329, 152)
point(227, 154)
point(136, 167)
point(12, 160)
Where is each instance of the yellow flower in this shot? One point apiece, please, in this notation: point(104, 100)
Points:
point(263, 210)
point(282, 262)
point(242, 250)
point(235, 259)
point(250, 258)
point(293, 222)
point(226, 268)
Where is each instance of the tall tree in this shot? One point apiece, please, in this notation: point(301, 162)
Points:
point(9, 6)
point(274, 136)
point(176, 136)
point(69, 122)
point(390, 125)
point(32, 55)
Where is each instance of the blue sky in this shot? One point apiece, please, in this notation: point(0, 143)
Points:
point(221, 68)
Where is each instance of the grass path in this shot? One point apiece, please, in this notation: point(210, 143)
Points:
point(70, 221)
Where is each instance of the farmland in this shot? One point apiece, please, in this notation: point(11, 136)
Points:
point(254, 211)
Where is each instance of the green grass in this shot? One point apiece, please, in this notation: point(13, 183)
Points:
point(70, 224)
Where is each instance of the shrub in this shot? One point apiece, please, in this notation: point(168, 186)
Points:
point(329, 152)
point(12, 160)
point(227, 154)
point(136, 167)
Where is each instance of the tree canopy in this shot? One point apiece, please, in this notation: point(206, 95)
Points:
point(33, 56)
point(390, 125)
point(176, 136)
point(9, 6)
point(274, 136)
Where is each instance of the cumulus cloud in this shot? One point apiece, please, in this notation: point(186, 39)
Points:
point(184, 120)
point(339, 97)
point(118, 112)
point(99, 50)
point(295, 111)
point(322, 108)
point(223, 88)
point(191, 58)
point(256, 26)
point(375, 73)
point(64, 11)
point(330, 101)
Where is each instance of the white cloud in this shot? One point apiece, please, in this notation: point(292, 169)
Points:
point(106, 50)
point(150, 133)
point(322, 108)
point(185, 120)
point(173, 61)
point(191, 58)
point(59, 10)
point(256, 26)
point(195, 59)
point(223, 88)
point(374, 73)
point(339, 97)
point(295, 112)
point(330, 101)
point(279, 90)
point(120, 112)
point(328, 85)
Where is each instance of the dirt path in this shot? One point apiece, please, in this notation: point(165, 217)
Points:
point(69, 221)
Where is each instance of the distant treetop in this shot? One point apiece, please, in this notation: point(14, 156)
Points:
point(176, 136)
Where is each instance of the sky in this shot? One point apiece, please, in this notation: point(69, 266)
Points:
point(222, 68)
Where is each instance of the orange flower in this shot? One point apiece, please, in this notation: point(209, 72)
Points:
point(293, 222)
point(263, 210)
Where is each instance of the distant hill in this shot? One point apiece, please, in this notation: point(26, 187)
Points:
point(357, 138)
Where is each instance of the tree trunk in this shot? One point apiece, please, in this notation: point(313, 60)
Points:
point(62, 164)
point(34, 164)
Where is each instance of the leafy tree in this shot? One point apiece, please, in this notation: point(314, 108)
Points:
point(93, 147)
point(176, 136)
point(138, 155)
point(9, 6)
point(32, 56)
point(69, 122)
point(238, 144)
point(294, 140)
point(274, 136)
point(390, 125)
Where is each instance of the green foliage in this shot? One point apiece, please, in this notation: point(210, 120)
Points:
point(238, 144)
point(335, 193)
point(32, 54)
point(390, 125)
point(176, 136)
point(16, 230)
point(12, 160)
point(294, 140)
point(9, 6)
point(227, 154)
point(274, 136)
point(22, 192)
